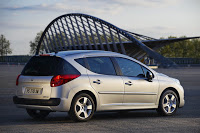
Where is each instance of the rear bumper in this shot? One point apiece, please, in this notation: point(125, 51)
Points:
point(53, 104)
point(40, 102)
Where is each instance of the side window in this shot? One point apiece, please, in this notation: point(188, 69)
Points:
point(101, 65)
point(130, 68)
point(81, 62)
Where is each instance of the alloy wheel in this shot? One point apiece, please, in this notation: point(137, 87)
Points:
point(169, 103)
point(83, 107)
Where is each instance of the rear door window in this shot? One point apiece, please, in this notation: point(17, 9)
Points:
point(48, 66)
point(101, 65)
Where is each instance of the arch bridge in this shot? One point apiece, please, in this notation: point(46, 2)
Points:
point(77, 31)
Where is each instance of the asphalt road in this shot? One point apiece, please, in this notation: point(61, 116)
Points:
point(187, 119)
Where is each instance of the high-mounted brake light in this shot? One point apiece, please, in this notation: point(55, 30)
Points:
point(17, 80)
point(62, 79)
point(44, 54)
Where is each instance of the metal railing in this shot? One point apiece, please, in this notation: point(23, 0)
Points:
point(22, 59)
point(19, 59)
point(185, 60)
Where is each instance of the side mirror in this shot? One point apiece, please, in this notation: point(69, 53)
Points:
point(149, 76)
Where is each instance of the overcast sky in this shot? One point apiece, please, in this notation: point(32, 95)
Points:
point(20, 20)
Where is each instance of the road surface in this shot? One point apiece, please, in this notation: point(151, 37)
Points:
point(187, 119)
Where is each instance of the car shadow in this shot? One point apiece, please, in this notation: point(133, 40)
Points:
point(125, 115)
point(56, 118)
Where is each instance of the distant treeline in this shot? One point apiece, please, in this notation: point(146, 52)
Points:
point(185, 49)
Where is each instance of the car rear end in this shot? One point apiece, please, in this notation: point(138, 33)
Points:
point(42, 82)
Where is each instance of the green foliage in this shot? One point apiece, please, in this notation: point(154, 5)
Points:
point(4, 46)
point(185, 49)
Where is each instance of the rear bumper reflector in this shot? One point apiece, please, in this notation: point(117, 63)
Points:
point(41, 102)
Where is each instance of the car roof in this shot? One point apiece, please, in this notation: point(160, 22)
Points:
point(82, 53)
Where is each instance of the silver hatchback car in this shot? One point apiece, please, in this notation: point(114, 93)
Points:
point(84, 81)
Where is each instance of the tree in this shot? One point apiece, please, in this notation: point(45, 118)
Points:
point(33, 44)
point(4, 46)
point(183, 49)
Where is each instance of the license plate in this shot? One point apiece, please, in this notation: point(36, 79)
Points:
point(33, 91)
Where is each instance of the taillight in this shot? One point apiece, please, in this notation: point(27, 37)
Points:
point(62, 79)
point(17, 80)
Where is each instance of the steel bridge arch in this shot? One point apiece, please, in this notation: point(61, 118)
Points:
point(77, 31)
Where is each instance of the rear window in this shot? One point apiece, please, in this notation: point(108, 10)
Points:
point(48, 66)
point(101, 65)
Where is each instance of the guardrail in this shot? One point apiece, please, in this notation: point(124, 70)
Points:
point(185, 61)
point(14, 60)
point(23, 59)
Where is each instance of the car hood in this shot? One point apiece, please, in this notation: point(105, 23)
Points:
point(162, 76)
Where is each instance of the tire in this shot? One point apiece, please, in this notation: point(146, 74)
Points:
point(168, 103)
point(37, 114)
point(82, 108)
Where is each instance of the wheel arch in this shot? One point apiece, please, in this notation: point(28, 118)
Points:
point(172, 89)
point(89, 93)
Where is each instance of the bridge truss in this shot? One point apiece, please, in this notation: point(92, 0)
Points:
point(84, 32)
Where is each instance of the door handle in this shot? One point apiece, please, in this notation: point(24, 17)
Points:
point(128, 83)
point(97, 81)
